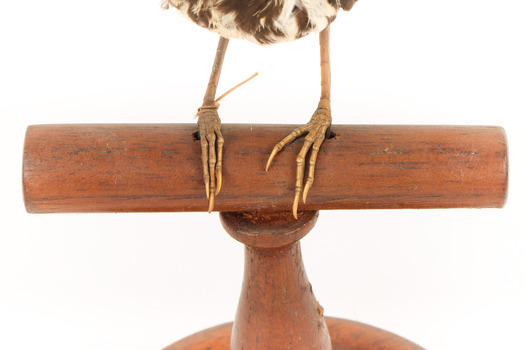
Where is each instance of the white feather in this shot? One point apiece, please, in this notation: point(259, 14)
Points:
point(224, 24)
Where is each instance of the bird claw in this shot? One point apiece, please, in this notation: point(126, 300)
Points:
point(316, 130)
point(211, 144)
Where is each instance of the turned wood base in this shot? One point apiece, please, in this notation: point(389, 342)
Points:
point(344, 334)
point(277, 307)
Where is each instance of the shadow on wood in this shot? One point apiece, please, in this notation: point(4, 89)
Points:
point(157, 168)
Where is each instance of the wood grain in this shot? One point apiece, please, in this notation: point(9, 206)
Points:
point(157, 168)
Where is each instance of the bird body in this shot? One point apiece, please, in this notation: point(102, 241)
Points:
point(261, 21)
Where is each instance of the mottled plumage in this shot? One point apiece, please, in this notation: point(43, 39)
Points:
point(261, 21)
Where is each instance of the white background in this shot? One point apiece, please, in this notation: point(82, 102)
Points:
point(446, 279)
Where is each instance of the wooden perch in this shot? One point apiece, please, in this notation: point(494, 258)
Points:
point(157, 168)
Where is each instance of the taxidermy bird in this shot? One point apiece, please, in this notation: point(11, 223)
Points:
point(264, 22)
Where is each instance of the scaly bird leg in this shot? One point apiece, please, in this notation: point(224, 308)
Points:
point(210, 130)
point(316, 127)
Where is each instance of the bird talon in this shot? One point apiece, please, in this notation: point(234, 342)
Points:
point(211, 203)
point(211, 145)
point(272, 155)
point(219, 182)
point(316, 129)
point(295, 205)
point(305, 191)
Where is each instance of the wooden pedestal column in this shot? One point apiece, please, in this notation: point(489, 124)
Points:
point(277, 308)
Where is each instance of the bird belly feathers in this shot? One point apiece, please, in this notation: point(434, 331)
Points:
point(260, 21)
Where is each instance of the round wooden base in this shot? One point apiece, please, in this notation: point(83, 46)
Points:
point(345, 335)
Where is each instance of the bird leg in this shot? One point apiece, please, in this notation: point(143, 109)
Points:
point(210, 130)
point(315, 129)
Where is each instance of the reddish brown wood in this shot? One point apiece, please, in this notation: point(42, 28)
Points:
point(345, 335)
point(141, 167)
point(277, 308)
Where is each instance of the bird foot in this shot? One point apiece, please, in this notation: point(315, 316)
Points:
point(316, 130)
point(211, 143)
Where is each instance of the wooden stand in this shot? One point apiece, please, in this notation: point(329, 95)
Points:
point(277, 308)
point(111, 168)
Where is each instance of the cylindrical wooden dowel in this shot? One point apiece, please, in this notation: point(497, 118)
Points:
point(157, 167)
